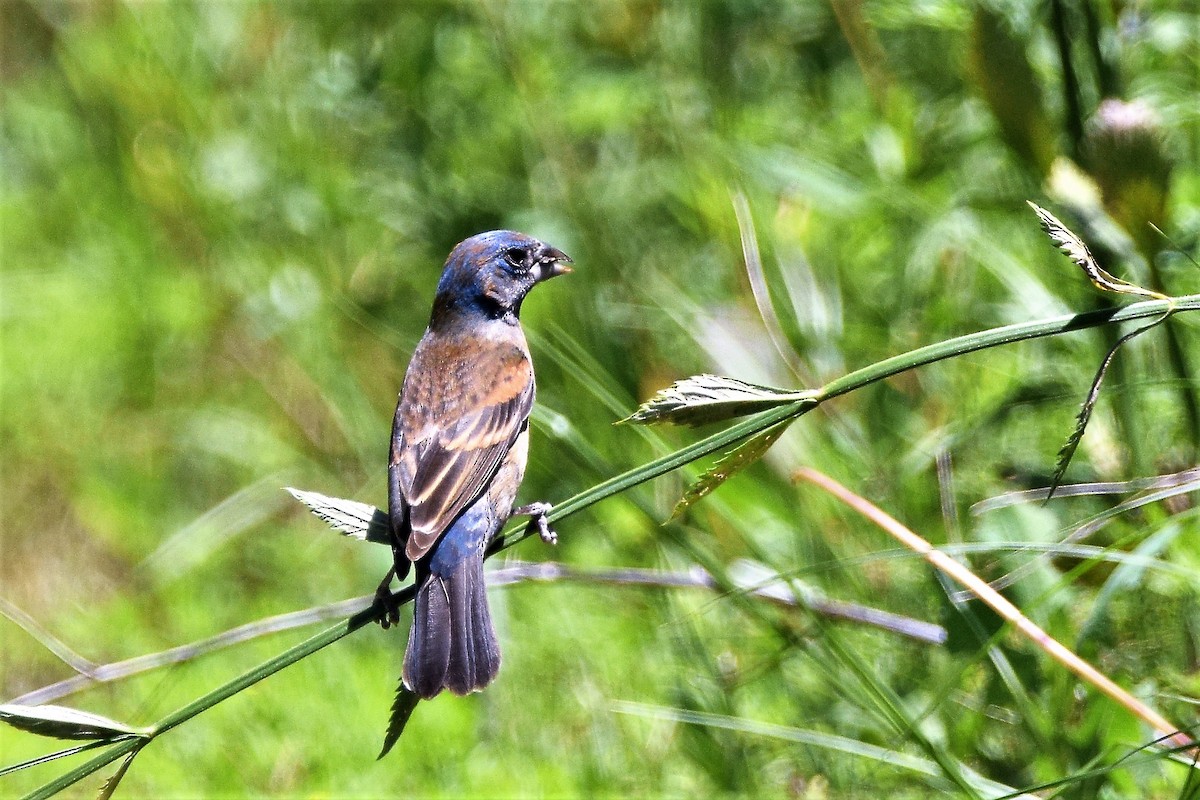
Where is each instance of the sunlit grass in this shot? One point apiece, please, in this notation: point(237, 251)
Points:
point(222, 224)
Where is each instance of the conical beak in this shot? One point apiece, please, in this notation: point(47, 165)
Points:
point(552, 262)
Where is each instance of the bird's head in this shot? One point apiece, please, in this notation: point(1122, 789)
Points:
point(491, 273)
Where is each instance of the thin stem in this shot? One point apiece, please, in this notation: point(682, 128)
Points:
point(119, 670)
point(221, 693)
point(863, 377)
point(768, 586)
point(119, 750)
point(46, 639)
point(1000, 605)
point(1008, 334)
point(929, 354)
point(511, 573)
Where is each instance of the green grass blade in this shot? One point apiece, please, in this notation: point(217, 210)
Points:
point(895, 365)
point(1067, 453)
point(83, 770)
point(925, 355)
point(729, 465)
point(57, 754)
point(207, 701)
point(828, 741)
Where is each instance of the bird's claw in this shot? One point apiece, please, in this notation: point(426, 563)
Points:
point(389, 610)
point(548, 534)
point(537, 521)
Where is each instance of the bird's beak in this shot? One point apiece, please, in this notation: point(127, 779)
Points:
point(552, 262)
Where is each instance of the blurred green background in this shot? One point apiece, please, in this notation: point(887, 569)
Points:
point(222, 226)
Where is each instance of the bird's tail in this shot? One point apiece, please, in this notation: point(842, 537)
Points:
point(452, 644)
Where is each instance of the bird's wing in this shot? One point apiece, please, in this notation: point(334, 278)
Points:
point(462, 408)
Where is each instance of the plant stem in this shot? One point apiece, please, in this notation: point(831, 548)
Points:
point(207, 701)
point(876, 372)
point(1001, 605)
point(929, 354)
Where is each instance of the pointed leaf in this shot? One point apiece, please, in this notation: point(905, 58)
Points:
point(64, 723)
point(1074, 248)
point(56, 755)
point(729, 465)
point(711, 398)
point(110, 785)
point(1085, 412)
point(758, 284)
point(1067, 452)
point(350, 517)
point(402, 709)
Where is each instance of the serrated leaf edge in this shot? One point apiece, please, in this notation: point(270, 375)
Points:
point(729, 465)
point(402, 710)
point(351, 518)
point(701, 396)
point(63, 722)
point(1075, 249)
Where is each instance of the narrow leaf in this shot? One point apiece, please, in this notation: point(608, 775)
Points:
point(890, 757)
point(758, 284)
point(46, 759)
point(406, 701)
point(1074, 248)
point(64, 723)
point(350, 517)
point(710, 398)
point(110, 785)
point(45, 638)
point(729, 465)
point(1067, 453)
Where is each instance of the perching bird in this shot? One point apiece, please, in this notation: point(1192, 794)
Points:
point(459, 444)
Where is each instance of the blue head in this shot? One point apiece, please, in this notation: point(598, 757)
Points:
point(490, 274)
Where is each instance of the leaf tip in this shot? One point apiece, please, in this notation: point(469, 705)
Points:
point(402, 709)
point(62, 722)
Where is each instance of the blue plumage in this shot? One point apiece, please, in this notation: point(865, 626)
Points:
point(459, 445)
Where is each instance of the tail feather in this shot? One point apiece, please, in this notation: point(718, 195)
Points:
point(487, 649)
point(427, 655)
point(452, 644)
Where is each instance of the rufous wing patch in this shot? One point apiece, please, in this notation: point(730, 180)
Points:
point(459, 439)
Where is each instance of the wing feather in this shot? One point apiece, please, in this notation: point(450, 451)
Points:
point(461, 410)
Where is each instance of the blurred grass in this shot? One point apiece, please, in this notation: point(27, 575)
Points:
point(222, 225)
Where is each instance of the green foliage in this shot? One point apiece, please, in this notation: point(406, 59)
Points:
point(221, 228)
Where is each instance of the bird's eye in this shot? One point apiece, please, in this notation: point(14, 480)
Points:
point(516, 256)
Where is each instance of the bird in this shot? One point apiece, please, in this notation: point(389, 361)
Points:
point(459, 446)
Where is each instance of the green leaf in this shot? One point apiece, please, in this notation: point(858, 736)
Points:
point(713, 443)
point(1067, 453)
point(61, 722)
point(729, 465)
point(812, 738)
point(702, 399)
point(350, 517)
point(110, 785)
point(1074, 248)
point(55, 756)
point(402, 709)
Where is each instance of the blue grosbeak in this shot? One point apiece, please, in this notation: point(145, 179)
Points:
point(459, 444)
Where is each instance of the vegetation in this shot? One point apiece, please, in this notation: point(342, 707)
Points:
point(222, 225)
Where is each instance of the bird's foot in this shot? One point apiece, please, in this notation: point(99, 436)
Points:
point(537, 520)
point(389, 611)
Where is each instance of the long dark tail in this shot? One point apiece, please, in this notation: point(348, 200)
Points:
point(452, 644)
